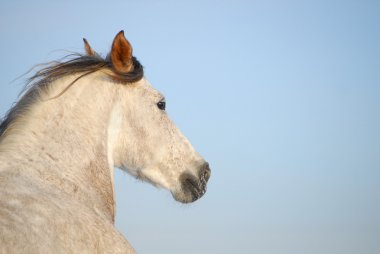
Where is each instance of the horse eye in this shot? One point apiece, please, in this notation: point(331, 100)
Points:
point(161, 105)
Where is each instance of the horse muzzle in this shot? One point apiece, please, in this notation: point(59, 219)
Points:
point(193, 187)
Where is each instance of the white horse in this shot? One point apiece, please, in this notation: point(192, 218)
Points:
point(59, 145)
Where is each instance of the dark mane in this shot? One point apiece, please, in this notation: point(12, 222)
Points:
point(77, 64)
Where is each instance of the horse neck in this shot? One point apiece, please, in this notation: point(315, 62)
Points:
point(63, 142)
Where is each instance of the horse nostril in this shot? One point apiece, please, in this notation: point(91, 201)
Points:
point(206, 171)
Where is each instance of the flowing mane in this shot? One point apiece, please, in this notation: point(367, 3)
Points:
point(77, 64)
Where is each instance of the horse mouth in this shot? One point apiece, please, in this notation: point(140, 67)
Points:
point(192, 188)
point(195, 188)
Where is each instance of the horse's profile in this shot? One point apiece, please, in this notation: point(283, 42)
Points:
point(77, 120)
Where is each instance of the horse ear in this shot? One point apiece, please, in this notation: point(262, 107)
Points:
point(121, 53)
point(87, 48)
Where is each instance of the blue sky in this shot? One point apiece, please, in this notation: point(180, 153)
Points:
point(281, 97)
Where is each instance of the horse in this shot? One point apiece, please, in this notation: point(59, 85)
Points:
point(78, 119)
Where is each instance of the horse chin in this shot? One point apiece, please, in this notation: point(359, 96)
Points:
point(185, 198)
